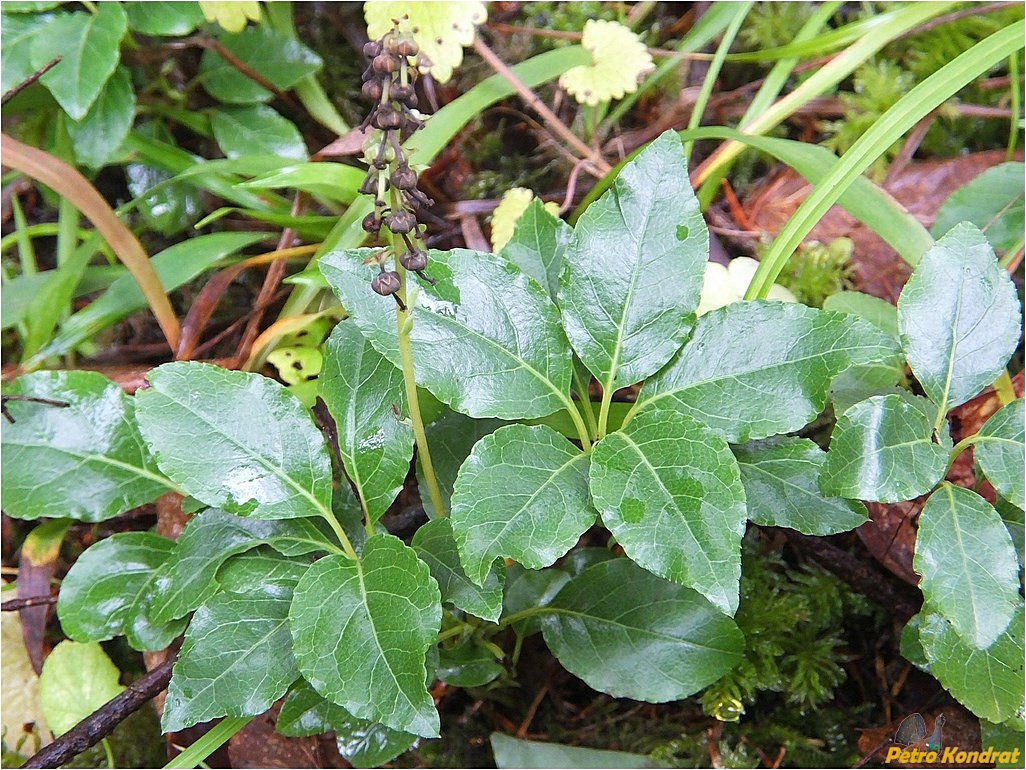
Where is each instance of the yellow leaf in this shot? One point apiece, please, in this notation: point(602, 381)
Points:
point(618, 60)
point(440, 29)
point(232, 16)
point(504, 219)
point(296, 364)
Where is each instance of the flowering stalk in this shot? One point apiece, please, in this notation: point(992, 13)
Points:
point(388, 80)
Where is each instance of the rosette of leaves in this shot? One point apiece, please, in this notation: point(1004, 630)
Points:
point(287, 584)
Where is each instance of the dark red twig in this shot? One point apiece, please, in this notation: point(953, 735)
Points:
point(102, 722)
point(30, 80)
point(11, 605)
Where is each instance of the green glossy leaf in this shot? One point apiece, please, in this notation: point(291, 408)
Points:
point(281, 60)
point(235, 440)
point(436, 547)
point(989, 681)
point(513, 752)
point(467, 664)
point(334, 181)
point(451, 437)
point(670, 491)
point(1007, 739)
point(365, 395)
point(98, 136)
point(999, 449)
point(237, 656)
point(969, 568)
point(256, 128)
point(1015, 522)
point(75, 681)
point(528, 589)
point(90, 46)
point(383, 611)
point(522, 494)
point(634, 268)
point(187, 578)
point(486, 340)
point(85, 461)
point(30, 6)
point(538, 244)
point(883, 449)
point(18, 32)
point(993, 201)
point(781, 481)
point(175, 265)
point(632, 634)
point(755, 369)
point(911, 646)
point(362, 743)
point(959, 318)
point(170, 19)
point(109, 590)
point(879, 312)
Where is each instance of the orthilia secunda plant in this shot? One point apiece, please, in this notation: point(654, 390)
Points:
point(388, 80)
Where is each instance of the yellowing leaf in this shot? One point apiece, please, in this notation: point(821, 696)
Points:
point(618, 60)
point(296, 364)
point(724, 285)
point(21, 686)
point(232, 16)
point(440, 29)
point(77, 679)
point(504, 219)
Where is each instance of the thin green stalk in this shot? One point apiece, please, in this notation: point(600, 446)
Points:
point(771, 87)
point(26, 252)
point(585, 400)
point(603, 419)
point(740, 12)
point(208, 743)
point(886, 27)
point(1014, 106)
point(909, 110)
point(404, 321)
point(108, 752)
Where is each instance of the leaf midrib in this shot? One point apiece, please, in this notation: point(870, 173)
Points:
point(320, 508)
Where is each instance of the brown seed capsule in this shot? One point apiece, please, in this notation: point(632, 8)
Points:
point(370, 184)
point(407, 48)
point(373, 89)
point(403, 94)
point(403, 178)
point(372, 223)
point(371, 49)
point(400, 222)
point(386, 282)
point(415, 260)
point(386, 118)
point(385, 63)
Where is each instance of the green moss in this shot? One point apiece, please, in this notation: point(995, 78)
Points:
point(792, 621)
point(817, 270)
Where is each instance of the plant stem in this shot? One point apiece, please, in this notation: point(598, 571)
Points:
point(587, 153)
point(209, 742)
point(404, 321)
point(607, 400)
point(1014, 105)
point(581, 385)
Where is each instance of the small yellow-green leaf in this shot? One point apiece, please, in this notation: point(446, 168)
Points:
point(76, 680)
point(440, 29)
point(618, 60)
